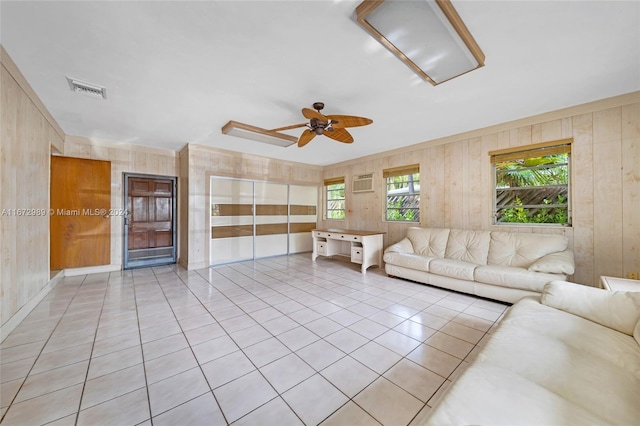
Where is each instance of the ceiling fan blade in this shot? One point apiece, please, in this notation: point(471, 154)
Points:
point(305, 138)
point(340, 135)
point(309, 113)
point(348, 121)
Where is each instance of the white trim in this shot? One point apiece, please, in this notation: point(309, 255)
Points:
point(72, 272)
point(26, 309)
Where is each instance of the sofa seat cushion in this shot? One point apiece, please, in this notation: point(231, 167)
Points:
point(468, 246)
point(408, 260)
point(453, 268)
point(581, 334)
point(487, 394)
point(546, 366)
point(521, 250)
point(507, 276)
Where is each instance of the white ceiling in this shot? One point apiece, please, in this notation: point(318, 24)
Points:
point(177, 71)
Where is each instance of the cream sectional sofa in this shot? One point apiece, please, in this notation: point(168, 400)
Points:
point(499, 265)
point(569, 357)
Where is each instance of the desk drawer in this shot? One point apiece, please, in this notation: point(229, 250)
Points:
point(337, 236)
point(356, 254)
point(321, 247)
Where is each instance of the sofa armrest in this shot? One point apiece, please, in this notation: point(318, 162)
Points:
point(555, 263)
point(403, 246)
point(619, 310)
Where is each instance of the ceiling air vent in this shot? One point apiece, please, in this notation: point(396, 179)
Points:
point(88, 89)
point(363, 183)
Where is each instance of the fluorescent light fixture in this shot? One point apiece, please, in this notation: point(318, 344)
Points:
point(246, 131)
point(427, 35)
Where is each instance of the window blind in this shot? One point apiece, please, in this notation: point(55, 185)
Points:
point(401, 171)
point(334, 181)
point(532, 151)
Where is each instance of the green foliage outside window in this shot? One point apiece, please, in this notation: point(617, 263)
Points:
point(335, 201)
point(403, 198)
point(533, 190)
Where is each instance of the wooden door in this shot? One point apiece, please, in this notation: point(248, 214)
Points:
point(150, 205)
point(80, 203)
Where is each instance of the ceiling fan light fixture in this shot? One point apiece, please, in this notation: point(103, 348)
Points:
point(428, 36)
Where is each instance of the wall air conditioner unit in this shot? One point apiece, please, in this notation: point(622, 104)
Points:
point(362, 183)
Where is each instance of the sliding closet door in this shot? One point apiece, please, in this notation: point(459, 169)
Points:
point(303, 202)
point(231, 220)
point(271, 218)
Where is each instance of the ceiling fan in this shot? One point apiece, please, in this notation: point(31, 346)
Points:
point(331, 126)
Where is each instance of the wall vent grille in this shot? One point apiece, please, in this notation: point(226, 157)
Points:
point(88, 89)
point(363, 183)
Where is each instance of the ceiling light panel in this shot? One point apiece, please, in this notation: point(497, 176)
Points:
point(246, 131)
point(427, 35)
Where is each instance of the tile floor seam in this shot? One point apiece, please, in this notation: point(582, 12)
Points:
point(91, 352)
point(267, 283)
point(151, 414)
point(41, 350)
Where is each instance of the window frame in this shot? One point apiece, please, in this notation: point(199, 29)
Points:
point(543, 149)
point(327, 184)
point(403, 171)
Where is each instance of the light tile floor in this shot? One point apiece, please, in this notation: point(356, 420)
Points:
point(280, 341)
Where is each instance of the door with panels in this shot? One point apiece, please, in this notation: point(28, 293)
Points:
point(254, 219)
point(303, 206)
point(231, 220)
point(271, 218)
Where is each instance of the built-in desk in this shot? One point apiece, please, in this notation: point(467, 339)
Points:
point(363, 247)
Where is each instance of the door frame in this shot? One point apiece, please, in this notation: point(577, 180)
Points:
point(144, 263)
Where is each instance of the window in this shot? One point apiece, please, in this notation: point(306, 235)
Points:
point(334, 191)
point(532, 184)
point(403, 193)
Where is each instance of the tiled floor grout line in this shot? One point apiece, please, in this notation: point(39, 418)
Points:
point(349, 399)
point(95, 335)
point(211, 389)
point(291, 279)
point(279, 395)
point(144, 364)
point(42, 349)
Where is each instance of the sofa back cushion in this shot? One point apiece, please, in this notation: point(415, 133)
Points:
point(430, 242)
point(468, 246)
point(619, 310)
point(521, 250)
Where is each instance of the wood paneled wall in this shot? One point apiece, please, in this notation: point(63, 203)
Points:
point(124, 158)
point(27, 133)
point(457, 183)
point(204, 162)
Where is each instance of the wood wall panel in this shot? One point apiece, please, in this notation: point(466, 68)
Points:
point(124, 158)
point(272, 209)
point(232, 210)
point(302, 210)
point(631, 188)
point(301, 227)
point(231, 231)
point(582, 195)
point(27, 136)
point(607, 204)
point(457, 183)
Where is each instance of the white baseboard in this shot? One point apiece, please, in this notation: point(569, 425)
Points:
point(26, 309)
point(72, 272)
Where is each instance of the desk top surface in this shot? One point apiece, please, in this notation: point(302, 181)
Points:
point(349, 231)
